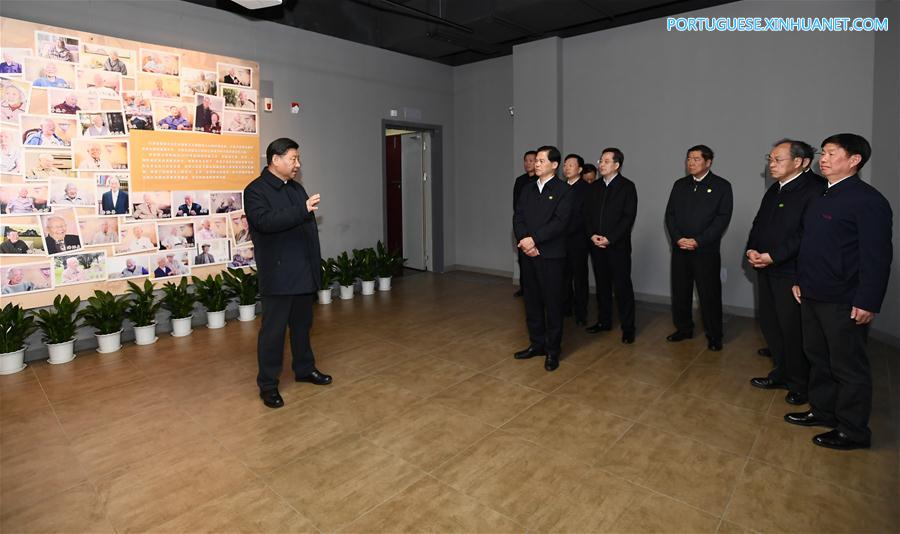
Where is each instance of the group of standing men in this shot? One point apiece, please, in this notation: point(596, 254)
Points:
point(821, 248)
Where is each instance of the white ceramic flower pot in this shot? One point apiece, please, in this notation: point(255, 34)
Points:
point(181, 327)
point(12, 362)
point(324, 296)
point(368, 287)
point(246, 312)
point(61, 352)
point(107, 343)
point(384, 283)
point(215, 319)
point(346, 292)
point(145, 335)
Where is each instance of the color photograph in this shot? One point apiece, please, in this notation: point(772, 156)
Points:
point(22, 238)
point(240, 98)
point(176, 235)
point(226, 201)
point(98, 56)
point(137, 237)
point(213, 227)
point(198, 82)
point(43, 72)
point(61, 232)
point(14, 98)
point(100, 154)
point(56, 46)
point(159, 86)
point(104, 84)
point(26, 278)
point(208, 111)
point(24, 199)
point(41, 165)
point(190, 203)
point(242, 257)
point(106, 124)
point(74, 192)
point(159, 62)
point(231, 74)
point(237, 122)
point(172, 115)
point(99, 230)
point(11, 158)
point(45, 131)
point(13, 60)
point(151, 205)
point(169, 264)
point(240, 228)
point(131, 266)
point(79, 268)
point(71, 102)
point(113, 194)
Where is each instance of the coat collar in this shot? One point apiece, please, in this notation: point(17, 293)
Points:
point(271, 179)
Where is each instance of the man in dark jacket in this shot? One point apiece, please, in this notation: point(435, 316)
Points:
point(540, 222)
point(576, 243)
point(843, 269)
point(285, 237)
point(697, 215)
point(521, 181)
point(772, 251)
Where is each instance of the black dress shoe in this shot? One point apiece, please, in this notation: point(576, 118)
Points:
point(271, 398)
point(518, 293)
point(551, 362)
point(628, 338)
point(714, 345)
point(599, 327)
point(764, 352)
point(795, 398)
point(315, 377)
point(679, 336)
point(840, 441)
point(807, 419)
point(530, 352)
point(764, 382)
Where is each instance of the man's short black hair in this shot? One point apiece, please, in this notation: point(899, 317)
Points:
point(530, 153)
point(799, 149)
point(853, 144)
point(578, 158)
point(704, 150)
point(279, 147)
point(588, 167)
point(553, 154)
point(617, 155)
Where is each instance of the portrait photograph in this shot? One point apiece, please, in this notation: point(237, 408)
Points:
point(103, 57)
point(80, 268)
point(99, 230)
point(42, 72)
point(15, 94)
point(212, 227)
point(136, 102)
point(71, 102)
point(11, 158)
point(169, 264)
point(226, 201)
point(26, 278)
point(137, 237)
point(103, 83)
point(190, 203)
point(61, 232)
point(198, 82)
point(159, 62)
point(212, 251)
point(242, 257)
point(159, 86)
point(208, 112)
point(176, 235)
point(240, 228)
point(172, 115)
point(74, 192)
point(41, 165)
point(22, 238)
point(24, 199)
point(105, 124)
point(130, 266)
point(13, 61)
point(46, 131)
point(113, 193)
point(231, 74)
point(238, 122)
point(56, 46)
point(241, 98)
point(100, 154)
point(151, 205)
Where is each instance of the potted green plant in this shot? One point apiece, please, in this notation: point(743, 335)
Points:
point(345, 269)
point(142, 310)
point(15, 327)
point(214, 295)
point(367, 268)
point(105, 313)
point(327, 271)
point(387, 266)
point(58, 325)
point(179, 302)
point(246, 286)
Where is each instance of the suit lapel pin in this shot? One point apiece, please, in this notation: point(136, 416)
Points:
point(551, 197)
point(781, 205)
point(709, 190)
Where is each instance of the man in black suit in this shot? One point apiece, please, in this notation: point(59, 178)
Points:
point(189, 208)
point(610, 211)
point(203, 116)
point(697, 215)
point(58, 237)
point(772, 251)
point(576, 243)
point(114, 201)
point(282, 220)
point(540, 223)
point(842, 269)
point(521, 181)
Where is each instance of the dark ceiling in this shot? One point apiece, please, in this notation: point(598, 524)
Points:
point(456, 32)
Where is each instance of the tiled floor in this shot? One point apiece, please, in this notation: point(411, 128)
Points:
point(431, 426)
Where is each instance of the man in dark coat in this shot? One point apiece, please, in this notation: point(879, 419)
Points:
point(285, 237)
point(576, 243)
point(521, 181)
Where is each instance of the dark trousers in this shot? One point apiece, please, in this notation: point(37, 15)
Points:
point(840, 380)
point(701, 267)
point(280, 312)
point(576, 279)
point(521, 257)
point(544, 296)
point(612, 273)
point(779, 319)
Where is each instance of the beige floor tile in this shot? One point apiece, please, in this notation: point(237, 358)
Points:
point(225, 407)
point(74, 510)
point(681, 468)
point(657, 513)
point(34, 471)
point(531, 373)
point(724, 385)
point(22, 429)
point(63, 382)
point(427, 435)
point(425, 376)
point(621, 396)
point(108, 405)
point(643, 366)
point(362, 403)
point(488, 399)
point(21, 393)
point(583, 352)
point(769, 499)
point(718, 424)
point(476, 354)
point(578, 431)
point(727, 527)
point(429, 506)
point(343, 481)
point(374, 356)
point(184, 384)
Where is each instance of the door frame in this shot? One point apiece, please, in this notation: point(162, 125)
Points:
point(437, 181)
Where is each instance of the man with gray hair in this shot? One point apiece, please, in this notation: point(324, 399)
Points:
point(16, 283)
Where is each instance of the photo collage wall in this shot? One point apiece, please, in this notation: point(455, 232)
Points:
point(69, 213)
